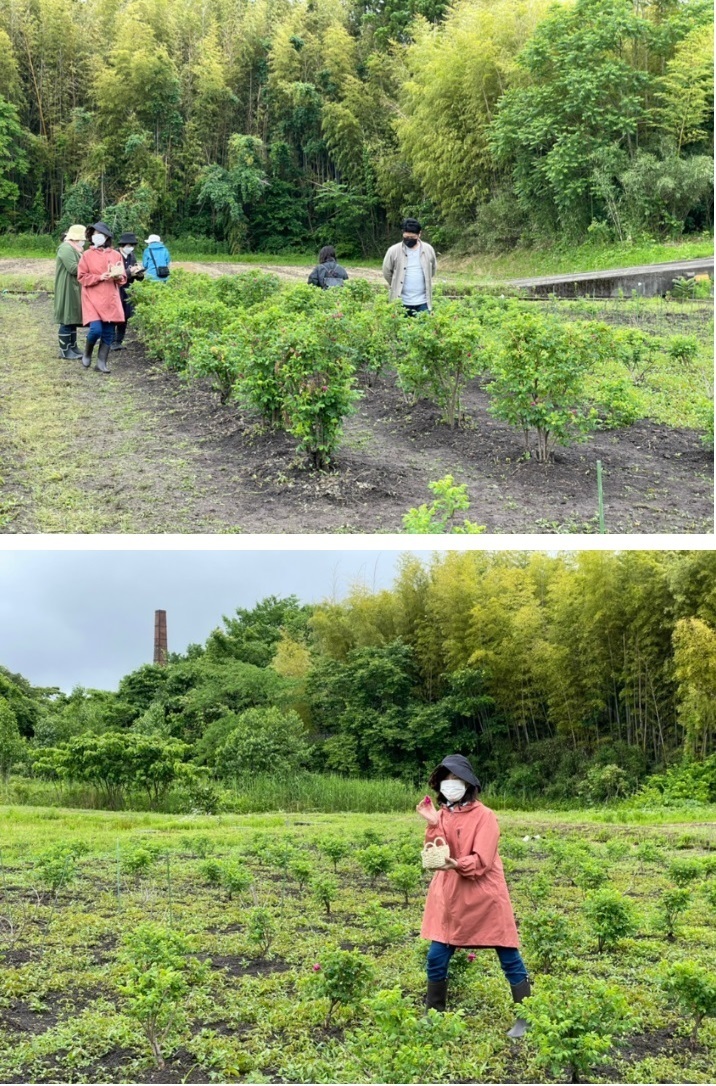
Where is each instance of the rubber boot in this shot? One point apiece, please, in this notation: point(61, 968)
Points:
point(102, 354)
point(436, 998)
point(87, 355)
point(519, 992)
point(118, 341)
point(74, 353)
point(65, 341)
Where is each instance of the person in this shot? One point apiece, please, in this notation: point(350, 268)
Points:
point(68, 292)
point(327, 272)
point(101, 272)
point(468, 903)
point(134, 271)
point(156, 259)
point(408, 268)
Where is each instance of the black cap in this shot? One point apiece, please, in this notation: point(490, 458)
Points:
point(457, 764)
point(411, 226)
point(102, 228)
point(128, 239)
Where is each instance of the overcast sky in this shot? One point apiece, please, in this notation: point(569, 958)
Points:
point(86, 618)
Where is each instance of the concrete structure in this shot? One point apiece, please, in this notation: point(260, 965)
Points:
point(648, 280)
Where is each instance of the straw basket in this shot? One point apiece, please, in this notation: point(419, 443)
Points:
point(435, 854)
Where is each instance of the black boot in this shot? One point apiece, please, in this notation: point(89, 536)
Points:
point(102, 354)
point(74, 353)
point(519, 992)
point(65, 341)
point(436, 998)
point(87, 355)
point(118, 342)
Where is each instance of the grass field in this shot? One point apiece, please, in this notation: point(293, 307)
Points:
point(515, 264)
point(253, 1011)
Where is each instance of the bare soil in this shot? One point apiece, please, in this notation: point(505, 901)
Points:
point(249, 479)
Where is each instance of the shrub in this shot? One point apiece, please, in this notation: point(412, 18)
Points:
point(139, 860)
point(325, 891)
point(375, 860)
point(404, 878)
point(538, 368)
point(610, 916)
point(548, 937)
point(263, 739)
point(685, 872)
point(260, 929)
point(382, 927)
point(235, 878)
point(342, 977)
point(155, 976)
point(672, 905)
point(441, 353)
point(400, 1044)
point(301, 868)
point(57, 866)
point(692, 988)
point(335, 848)
point(573, 1027)
point(211, 871)
point(437, 518)
point(247, 288)
point(317, 382)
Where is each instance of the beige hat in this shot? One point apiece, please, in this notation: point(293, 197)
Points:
point(75, 233)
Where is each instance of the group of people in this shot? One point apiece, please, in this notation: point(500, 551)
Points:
point(91, 284)
point(408, 268)
point(91, 288)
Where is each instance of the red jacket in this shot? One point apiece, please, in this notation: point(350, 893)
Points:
point(469, 906)
point(100, 299)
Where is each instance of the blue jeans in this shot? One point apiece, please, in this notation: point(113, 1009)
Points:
point(439, 956)
point(67, 329)
point(103, 330)
point(411, 310)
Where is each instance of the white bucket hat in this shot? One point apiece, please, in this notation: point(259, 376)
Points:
point(152, 238)
point(75, 233)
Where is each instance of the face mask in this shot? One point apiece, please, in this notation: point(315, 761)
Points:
point(453, 790)
point(411, 242)
point(127, 250)
point(98, 239)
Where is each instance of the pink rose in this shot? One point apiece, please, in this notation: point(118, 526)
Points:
point(316, 968)
point(471, 957)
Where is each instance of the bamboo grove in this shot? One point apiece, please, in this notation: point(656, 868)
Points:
point(561, 675)
point(276, 125)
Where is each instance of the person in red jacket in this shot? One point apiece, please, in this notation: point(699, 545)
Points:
point(468, 903)
point(101, 273)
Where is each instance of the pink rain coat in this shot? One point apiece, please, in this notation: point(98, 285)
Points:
point(100, 300)
point(470, 906)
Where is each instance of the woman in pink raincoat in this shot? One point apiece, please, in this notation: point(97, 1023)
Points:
point(101, 273)
point(468, 904)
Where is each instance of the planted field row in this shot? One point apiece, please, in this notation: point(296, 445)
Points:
point(297, 357)
point(275, 949)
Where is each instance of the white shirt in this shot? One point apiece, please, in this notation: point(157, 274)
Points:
point(413, 292)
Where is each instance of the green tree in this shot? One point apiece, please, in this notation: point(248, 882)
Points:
point(11, 744)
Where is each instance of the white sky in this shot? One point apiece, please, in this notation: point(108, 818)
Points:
point(86, 618)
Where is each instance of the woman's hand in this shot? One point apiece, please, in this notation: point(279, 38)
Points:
point(426, 810)
point(449, 865)
point(104, 276)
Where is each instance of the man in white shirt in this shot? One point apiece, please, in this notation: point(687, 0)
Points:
point(409, 268)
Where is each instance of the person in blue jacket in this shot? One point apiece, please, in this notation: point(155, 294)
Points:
point(156, 259)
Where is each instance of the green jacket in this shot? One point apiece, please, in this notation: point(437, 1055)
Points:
point(68, 292)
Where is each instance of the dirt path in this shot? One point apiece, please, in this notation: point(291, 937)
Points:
point(40, 268)
point(141, 451)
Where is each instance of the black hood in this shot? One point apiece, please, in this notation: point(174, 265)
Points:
point(457, 764)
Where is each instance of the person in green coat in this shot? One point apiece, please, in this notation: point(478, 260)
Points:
point(68, 292)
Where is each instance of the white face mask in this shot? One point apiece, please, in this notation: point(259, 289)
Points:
point(98, 239)
point(453, 790)
point(127, 250)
